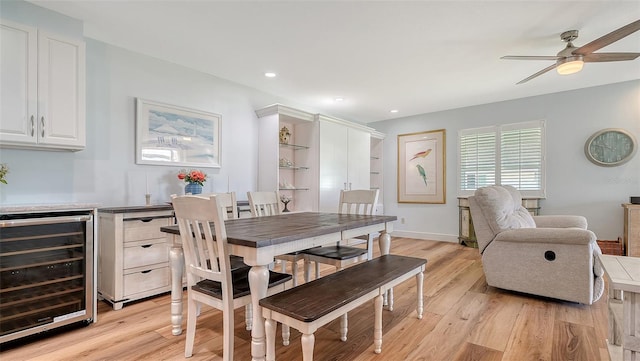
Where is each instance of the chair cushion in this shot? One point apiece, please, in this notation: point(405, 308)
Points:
point(240, 280)
point(502, 208)
point(336, 252)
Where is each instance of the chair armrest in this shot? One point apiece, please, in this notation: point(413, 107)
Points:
point(547, 235)
point(560, 221)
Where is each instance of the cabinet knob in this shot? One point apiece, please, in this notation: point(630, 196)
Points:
point(42, 123)
point(33, 125)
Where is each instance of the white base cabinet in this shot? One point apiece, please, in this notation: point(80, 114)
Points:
point(133, 257)
point(42, 93)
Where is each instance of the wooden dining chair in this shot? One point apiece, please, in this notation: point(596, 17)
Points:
point(340, 255)
point(210, 278)
point(268, 204)
point(227, 201)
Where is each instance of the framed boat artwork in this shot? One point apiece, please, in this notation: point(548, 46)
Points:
point(173, 135)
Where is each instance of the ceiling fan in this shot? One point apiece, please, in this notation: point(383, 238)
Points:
point(571, 59)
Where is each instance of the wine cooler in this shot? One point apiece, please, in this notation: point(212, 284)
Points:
point(46, 271)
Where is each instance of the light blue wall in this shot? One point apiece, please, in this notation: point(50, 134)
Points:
point(106, 173)
point(574, 185)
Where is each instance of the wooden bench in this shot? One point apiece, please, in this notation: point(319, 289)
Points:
point(314, 304)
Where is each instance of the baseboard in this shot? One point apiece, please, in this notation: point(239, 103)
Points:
point(428, 236)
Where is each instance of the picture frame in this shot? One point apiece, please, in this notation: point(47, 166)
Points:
point(172, 135)
point(421, 167)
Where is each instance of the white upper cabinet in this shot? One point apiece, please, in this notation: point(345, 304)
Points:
point(43, 89)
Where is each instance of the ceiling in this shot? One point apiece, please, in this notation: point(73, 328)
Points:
point(413, 56)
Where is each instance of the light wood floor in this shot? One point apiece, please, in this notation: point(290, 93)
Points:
point(464, 320)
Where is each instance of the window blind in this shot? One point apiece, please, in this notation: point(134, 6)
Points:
point(511, 154)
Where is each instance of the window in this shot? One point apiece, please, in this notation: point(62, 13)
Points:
point(511, 154)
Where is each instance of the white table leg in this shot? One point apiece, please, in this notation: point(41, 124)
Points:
point(258, 283)
point(176, 263)
point(384, 242)
point(308, 342)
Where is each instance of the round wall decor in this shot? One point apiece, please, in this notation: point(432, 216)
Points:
point(610, 147)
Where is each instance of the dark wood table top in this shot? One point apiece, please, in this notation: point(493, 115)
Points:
point(260, 232)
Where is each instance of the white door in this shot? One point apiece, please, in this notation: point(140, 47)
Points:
point(18, 67)
point(359, 154)
point(333, 165)
point(61, 91)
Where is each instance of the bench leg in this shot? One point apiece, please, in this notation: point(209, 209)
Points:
point(307, 346)
point(377, 324)
point(419, 285)
point(390, 299)
point(344, 327)
point(270, 333)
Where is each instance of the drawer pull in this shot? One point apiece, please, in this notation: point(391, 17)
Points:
point(147, 271)
point(146, 246)
point(149, 219)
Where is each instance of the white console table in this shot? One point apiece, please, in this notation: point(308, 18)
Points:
point(623, 274)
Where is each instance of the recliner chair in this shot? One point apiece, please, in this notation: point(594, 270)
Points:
point(550, 256)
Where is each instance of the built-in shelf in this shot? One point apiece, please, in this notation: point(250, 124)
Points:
point(294, 168)
point(375, 172)
point(293, 146)
point(294, 189)
point(375, 158)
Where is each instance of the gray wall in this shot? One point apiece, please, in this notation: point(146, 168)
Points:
point(106, 173)
point(574, 185)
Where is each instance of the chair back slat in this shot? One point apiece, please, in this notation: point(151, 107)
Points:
point(206, 256)
point(358, 201)
point(264, 203)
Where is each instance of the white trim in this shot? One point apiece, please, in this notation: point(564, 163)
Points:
point(426, 236)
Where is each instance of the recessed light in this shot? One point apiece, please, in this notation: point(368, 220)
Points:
point(393, 111)
point(338, 99)
point(270, 75)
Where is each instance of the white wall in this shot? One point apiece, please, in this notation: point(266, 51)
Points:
point(574, 185)
point(105, 172)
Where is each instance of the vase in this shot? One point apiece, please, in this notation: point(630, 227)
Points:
point(285, 207)
point(193, 188)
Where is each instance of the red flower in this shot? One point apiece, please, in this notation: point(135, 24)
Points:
point(181, 176)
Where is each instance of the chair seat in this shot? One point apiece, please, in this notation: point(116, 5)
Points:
point(336, 252)
point(240, 280)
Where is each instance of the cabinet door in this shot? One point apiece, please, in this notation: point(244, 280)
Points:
point(333, 165)
point(359, 156)
point(18, 66)
point(61, 91)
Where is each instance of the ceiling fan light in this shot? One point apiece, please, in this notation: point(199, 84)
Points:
point(570, 65)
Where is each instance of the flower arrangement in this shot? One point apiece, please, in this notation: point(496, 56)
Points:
point(3, 172)
point(192, 176)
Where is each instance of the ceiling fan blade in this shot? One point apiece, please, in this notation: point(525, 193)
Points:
point(602, 57)
point(551, 67)
point(605, 40)
point(518, 57)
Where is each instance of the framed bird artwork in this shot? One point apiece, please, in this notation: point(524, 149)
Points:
point(421, 167)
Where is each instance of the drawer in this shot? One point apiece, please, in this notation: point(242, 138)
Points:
point(143, 229)
point(144, 253)
point(147, 280)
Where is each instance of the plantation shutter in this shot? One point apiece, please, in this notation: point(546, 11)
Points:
point(477, 158)
point(511, 154)
point(521, 157)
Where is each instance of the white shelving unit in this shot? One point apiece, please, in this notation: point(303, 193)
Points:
point(377, 148)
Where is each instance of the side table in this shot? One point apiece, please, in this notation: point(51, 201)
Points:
point(623, 274)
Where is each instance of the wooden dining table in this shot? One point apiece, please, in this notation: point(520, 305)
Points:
point(258, 240)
